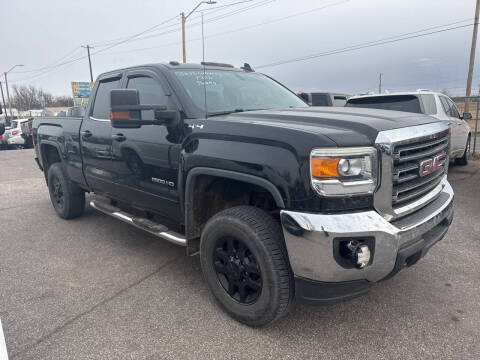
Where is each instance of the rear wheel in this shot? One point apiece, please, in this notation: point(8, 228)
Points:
point(68, 199)
point(464, 159)
point(245, 264)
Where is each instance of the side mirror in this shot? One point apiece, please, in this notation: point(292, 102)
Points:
point(169, 118)
point(2, 129)
point(122, 102)
point(126, 111)
point(466, 116)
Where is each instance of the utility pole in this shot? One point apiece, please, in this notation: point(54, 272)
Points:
point(88, 47)
point(472, 57)
point(184, 19)
point(183, 37)
point(8, 93)
point(380, 83)
point(3, 99)
point(8, 97)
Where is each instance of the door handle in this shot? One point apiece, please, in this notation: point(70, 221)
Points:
point(86, 134)
point(119, 137)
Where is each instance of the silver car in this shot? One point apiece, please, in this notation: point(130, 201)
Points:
point(430, 103)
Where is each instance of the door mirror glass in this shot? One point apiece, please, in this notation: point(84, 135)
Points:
point(466, 116)
point(123, 112)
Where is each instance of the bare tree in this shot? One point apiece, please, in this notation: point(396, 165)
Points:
point(30, 97)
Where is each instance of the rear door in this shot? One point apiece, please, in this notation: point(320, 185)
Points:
point(96, 137)
point(145, 160)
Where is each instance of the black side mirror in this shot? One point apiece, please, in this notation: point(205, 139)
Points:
point(168, 118)
point(122, 102)
point(466, 116)
point(126, 111)
point(2, 129)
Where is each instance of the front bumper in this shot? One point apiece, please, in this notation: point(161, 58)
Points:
point(310, 241)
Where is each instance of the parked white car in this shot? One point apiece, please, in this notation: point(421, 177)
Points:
point(430, 103)
point(14, 137)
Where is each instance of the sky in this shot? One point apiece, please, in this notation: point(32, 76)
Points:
point(46, 37)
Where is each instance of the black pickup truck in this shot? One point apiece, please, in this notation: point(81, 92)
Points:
point(281, 201)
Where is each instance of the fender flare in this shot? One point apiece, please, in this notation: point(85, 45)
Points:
point(50, 143)
point(252, 179)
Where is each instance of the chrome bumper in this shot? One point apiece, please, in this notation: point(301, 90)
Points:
point(310, 247)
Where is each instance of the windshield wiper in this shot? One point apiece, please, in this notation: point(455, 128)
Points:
point(226, 112)
point(217, 113)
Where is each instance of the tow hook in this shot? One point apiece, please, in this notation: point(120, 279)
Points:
point(359, 254)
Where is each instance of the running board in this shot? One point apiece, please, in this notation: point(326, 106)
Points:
point(142, 223)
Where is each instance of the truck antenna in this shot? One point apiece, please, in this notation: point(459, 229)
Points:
point(204, 76)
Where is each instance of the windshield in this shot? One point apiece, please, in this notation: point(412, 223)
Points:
point(408, 103)
point(230, 91)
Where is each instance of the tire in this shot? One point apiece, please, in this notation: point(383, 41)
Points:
point(67, 199)
point(464, 159)
point(244, 246)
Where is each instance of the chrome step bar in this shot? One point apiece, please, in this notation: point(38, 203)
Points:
point(142, 223)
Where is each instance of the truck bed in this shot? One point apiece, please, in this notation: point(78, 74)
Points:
point(63, 133)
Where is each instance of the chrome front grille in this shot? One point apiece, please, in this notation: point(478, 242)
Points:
point(414, 164)
point(408, 184)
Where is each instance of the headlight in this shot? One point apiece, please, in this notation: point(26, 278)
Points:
point(344, 171)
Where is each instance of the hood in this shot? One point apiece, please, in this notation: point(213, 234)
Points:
point(344, 126)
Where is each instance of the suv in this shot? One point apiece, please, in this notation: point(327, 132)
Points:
point(324, 98)
point(430, 103)
point(15, 138)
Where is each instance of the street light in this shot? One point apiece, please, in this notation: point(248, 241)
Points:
point(184, 18)
point(8, 93)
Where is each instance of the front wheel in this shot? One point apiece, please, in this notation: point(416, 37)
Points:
point(245, 264)
point(464, 159)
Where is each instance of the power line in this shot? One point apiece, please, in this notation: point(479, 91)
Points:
point(361, 46)
point(134, 37)
point(218, 8)
point(44, 70)
point(268, 22)
point(70, 53)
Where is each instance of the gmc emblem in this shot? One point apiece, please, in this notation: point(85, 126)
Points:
point(431, 165)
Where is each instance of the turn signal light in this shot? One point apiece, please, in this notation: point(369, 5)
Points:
point(119, 115)
point(324, 167)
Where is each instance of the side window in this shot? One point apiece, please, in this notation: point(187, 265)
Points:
point(101, 106)
point(429, 104)
point(453, 109)
point(445, 105)
point(150, 91)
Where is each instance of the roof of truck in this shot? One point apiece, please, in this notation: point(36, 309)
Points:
point(173, 65)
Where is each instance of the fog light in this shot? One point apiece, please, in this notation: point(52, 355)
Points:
point(359, 254)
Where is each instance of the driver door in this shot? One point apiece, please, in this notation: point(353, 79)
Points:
point(146, 160)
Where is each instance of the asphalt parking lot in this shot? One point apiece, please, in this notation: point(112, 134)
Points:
point(96, 288)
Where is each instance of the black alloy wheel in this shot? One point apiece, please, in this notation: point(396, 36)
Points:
point(237, 270)
point(245, 265)
point(58, 193)
point(67, 198)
